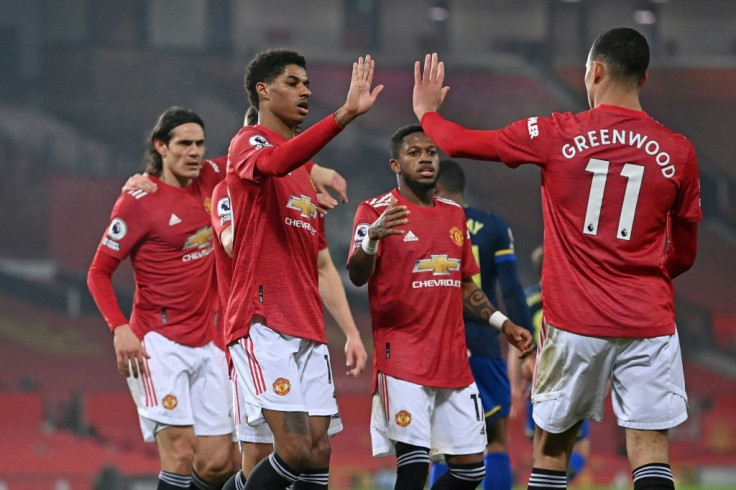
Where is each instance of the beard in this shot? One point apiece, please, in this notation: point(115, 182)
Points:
point(419, 188)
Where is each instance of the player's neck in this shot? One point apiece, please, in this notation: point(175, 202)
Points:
point(421, 196)
point(620, 98)
point(174, 180)
point(272, 122)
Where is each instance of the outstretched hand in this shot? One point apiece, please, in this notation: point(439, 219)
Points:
point(429, 93)
point(395, 215)
point(360, 95)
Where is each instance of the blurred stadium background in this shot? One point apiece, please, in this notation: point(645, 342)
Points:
point(83, 81)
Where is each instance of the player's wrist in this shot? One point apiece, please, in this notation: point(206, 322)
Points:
point(369, 245)
point(497, 319)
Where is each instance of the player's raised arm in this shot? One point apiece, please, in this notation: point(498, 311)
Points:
point(360, 95)
point(454, 139)
point(429, 93)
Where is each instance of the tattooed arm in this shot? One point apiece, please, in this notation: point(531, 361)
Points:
point(362, 262)
point(477, 304)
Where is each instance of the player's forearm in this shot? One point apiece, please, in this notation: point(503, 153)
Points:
point(333, 296)
point(361, 267)
point(99, 283)
point(458, 141)
point(297, 151)
point(513, 294)
point(476, 302)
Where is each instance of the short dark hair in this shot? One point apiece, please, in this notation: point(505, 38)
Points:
point(170, 119)
point(266, 66)
point(397, 139)
point(625, 51)
point(251, 116)
point(451, 176)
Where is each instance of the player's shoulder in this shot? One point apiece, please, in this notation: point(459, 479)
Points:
point(255, 136)
point(216, 165)
point(378, 203)
point(442, 201)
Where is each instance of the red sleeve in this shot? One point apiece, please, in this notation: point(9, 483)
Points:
point(683, 246)
point(252, 159)
point(99, 282)
point(469, 263)
point(687, 205)
point(221, 214)
point(458, 141)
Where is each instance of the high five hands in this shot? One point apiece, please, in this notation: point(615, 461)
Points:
point(429, 93)
point(360, 96)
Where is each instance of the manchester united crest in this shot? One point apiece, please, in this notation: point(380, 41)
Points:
point(169, 402)
point(403, 418)
point(456, 235)
point(282, 386)
point(208, 205)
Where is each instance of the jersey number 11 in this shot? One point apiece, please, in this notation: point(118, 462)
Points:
point(599, 168)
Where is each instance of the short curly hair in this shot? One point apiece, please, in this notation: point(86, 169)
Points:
point(266, 66)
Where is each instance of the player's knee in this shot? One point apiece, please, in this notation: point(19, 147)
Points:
point(321, 451)
point(214, 467)
point(178, 457)
point(295, 450)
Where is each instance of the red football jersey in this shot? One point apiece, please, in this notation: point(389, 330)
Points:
point(169, 239)
point(275, 247)
point(415, 293)
point(221, 219)
point(611, 178)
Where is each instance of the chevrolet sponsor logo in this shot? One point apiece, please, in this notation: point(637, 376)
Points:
point(304, 205)
point(200, 238)
point(438, 265)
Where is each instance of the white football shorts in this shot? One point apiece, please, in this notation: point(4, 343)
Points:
point(261, 434)
point(184, 386)
point(283, 373)
point(572, 374)
point(445, 420)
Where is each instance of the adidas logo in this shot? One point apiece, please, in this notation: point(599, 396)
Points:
point(410, 237)
point(174, 220)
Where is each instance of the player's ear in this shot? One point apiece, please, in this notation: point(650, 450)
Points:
point(600, 71)
point(644, 79)
point(262, 90)
point(160, 147)
point(394, 164)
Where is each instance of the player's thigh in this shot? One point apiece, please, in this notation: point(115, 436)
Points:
point(210, 394)
point(401, 413)
point(266, 374)
point(162, 394)
point(458, 424)
point(318, 385)
point(648, 384)
point(571, 378)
